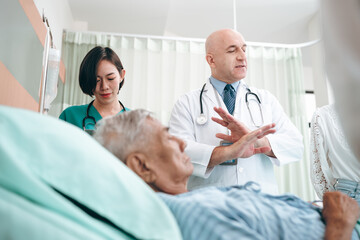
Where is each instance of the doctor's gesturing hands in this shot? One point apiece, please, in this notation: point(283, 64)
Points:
point(244, 142)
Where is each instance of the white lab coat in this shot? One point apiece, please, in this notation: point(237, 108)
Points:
point(286, 143)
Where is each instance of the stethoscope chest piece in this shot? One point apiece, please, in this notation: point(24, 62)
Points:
point(201, 119)
point(93, 120)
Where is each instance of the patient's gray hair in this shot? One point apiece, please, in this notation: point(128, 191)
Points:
point(124, 133)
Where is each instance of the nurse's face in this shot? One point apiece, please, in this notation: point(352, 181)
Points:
point(108, 80)
point(167, 159)
point(227, 56)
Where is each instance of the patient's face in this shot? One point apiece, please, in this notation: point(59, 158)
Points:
point(172, 166)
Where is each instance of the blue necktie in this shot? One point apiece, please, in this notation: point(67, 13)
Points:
point(229, 98)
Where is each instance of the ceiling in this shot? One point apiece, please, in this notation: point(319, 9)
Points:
point(274, 21)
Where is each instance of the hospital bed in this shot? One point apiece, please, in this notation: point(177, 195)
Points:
point(56, 182)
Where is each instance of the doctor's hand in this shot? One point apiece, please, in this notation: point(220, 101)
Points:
point(238, 130)
point(243, 148)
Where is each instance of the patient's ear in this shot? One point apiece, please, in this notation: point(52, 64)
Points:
point(139, 162)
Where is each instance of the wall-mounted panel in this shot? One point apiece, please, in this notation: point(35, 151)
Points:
point(21, 51)
point(13, 93)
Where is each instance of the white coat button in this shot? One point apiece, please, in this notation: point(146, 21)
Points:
point(241, 170)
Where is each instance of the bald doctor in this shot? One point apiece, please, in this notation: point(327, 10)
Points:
point(208, 142)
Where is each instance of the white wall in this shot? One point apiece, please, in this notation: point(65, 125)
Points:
point(59, 16)
point(308, 78)
point(330, 92)
point(318, 68)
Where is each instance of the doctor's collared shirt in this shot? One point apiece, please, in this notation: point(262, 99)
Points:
point(219, 85)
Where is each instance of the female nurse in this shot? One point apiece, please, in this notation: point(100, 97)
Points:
point(102, 76)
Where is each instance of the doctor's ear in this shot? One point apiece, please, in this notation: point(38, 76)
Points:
point(210, 59)
point(139, 163)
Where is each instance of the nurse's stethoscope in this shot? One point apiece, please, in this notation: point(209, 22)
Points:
point(202, 119)
point(91, 117)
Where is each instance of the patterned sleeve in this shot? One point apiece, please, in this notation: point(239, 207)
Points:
point(318, 155)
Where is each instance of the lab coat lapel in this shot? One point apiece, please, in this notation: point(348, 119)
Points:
point(210, 93)
point(240, 106)
point(241, 111)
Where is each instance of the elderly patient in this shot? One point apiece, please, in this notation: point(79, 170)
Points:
point(237, 212)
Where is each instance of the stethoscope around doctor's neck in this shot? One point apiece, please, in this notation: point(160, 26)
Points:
point(91, 117)
point(202, 119)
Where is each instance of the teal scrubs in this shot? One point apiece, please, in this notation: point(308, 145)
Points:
point(76, 114)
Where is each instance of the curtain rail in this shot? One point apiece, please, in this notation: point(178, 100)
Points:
point(202, 40)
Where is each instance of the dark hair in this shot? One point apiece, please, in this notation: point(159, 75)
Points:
point(89, 65)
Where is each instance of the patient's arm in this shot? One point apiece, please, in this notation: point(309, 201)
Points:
point(340, 214)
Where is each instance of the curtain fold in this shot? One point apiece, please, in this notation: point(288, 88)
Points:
point(159, 71)
point(280, 71)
